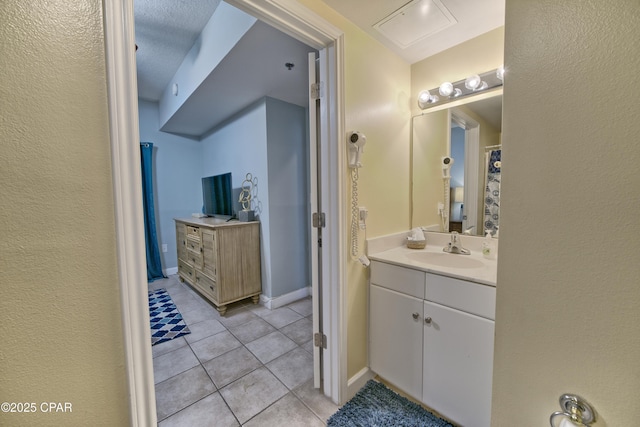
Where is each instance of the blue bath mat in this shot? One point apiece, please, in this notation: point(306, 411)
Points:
point(377, 406)
point(166, 321)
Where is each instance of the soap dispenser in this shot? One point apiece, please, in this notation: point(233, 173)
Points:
point(488, 249)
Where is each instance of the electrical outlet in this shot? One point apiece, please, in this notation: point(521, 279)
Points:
point(164, 247)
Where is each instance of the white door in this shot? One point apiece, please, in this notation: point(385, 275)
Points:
point(314, 209)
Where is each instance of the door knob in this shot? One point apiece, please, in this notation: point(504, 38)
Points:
point(415, 316)
point(428, 320)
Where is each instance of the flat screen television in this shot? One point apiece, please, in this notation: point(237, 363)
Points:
point(217, 195)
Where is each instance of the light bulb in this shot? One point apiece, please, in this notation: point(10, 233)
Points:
point(446, 89)
point(425, 98)
point(472, 82)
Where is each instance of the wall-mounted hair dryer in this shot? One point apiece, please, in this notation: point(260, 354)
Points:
point(447, 162)
point(356, 143)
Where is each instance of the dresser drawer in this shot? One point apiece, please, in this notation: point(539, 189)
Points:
point(400, 279)
point(473, 298)
point(207, 285)
point(186, 271)
point(193, 232)
point(193, 244)
point(194, 258)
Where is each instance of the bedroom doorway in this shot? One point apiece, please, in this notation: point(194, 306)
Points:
point(124, 128)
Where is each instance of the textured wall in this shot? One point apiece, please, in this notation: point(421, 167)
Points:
point(60, 309)
point(568, 278)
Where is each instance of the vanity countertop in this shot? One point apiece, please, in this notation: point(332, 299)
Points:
point(432, 259)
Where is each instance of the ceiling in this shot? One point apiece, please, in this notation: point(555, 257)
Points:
point(423, 27)
point(167, 29)
point(256, 67)
point(165, 32)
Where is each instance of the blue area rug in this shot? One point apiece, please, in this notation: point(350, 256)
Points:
point(166, 321)
point(374, 405)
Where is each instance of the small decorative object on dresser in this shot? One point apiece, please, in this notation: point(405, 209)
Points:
point(220, 259)
point(249, 185)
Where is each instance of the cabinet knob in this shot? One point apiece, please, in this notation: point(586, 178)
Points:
point(415, 316)
point(428, 320)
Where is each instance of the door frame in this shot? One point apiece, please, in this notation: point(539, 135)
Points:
point(296, 20)
point(471, 167)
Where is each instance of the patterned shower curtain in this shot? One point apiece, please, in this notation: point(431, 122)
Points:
point(154, 264)
point(492, 192)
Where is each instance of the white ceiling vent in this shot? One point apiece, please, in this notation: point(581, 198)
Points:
point(415, 21)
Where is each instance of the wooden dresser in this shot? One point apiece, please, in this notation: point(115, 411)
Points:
point(221, 260)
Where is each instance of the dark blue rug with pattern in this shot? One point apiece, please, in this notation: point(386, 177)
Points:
point(375, 405)
point(166, 321)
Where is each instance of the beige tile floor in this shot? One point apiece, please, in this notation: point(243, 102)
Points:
point(252, 367)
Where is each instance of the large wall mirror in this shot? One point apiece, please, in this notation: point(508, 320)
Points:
point(464, 197)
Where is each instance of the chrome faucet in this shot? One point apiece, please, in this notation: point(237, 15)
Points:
point(455, 245)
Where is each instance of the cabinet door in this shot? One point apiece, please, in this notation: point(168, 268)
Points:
point(210, 253)
point(458, 365)
point(395, 338)
point(181, 244)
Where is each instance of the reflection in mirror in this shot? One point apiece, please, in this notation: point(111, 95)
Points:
point(464, 197)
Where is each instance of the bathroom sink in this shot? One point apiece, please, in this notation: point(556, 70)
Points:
point(445, 260)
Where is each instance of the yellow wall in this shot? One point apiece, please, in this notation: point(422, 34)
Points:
point(377, 85)
point(568, 291)
point(59, 310)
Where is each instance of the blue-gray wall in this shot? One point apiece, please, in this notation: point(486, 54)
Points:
point(177, 174)
point(288, 158)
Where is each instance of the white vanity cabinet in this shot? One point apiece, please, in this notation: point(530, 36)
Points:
point(432, 337)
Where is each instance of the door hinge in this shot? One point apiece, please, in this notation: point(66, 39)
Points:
point(316, 90)
point(320, 340)
point(318, 220)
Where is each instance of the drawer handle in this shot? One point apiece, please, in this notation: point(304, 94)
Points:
point(415, 316)
point(428, 320)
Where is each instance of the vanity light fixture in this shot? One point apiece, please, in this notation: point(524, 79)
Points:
point(452, 91)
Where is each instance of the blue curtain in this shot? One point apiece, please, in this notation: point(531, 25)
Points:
point(154, 265)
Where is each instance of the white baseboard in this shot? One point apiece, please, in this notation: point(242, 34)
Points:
point(282, 300)
point(358, 381)
point(171, 271)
